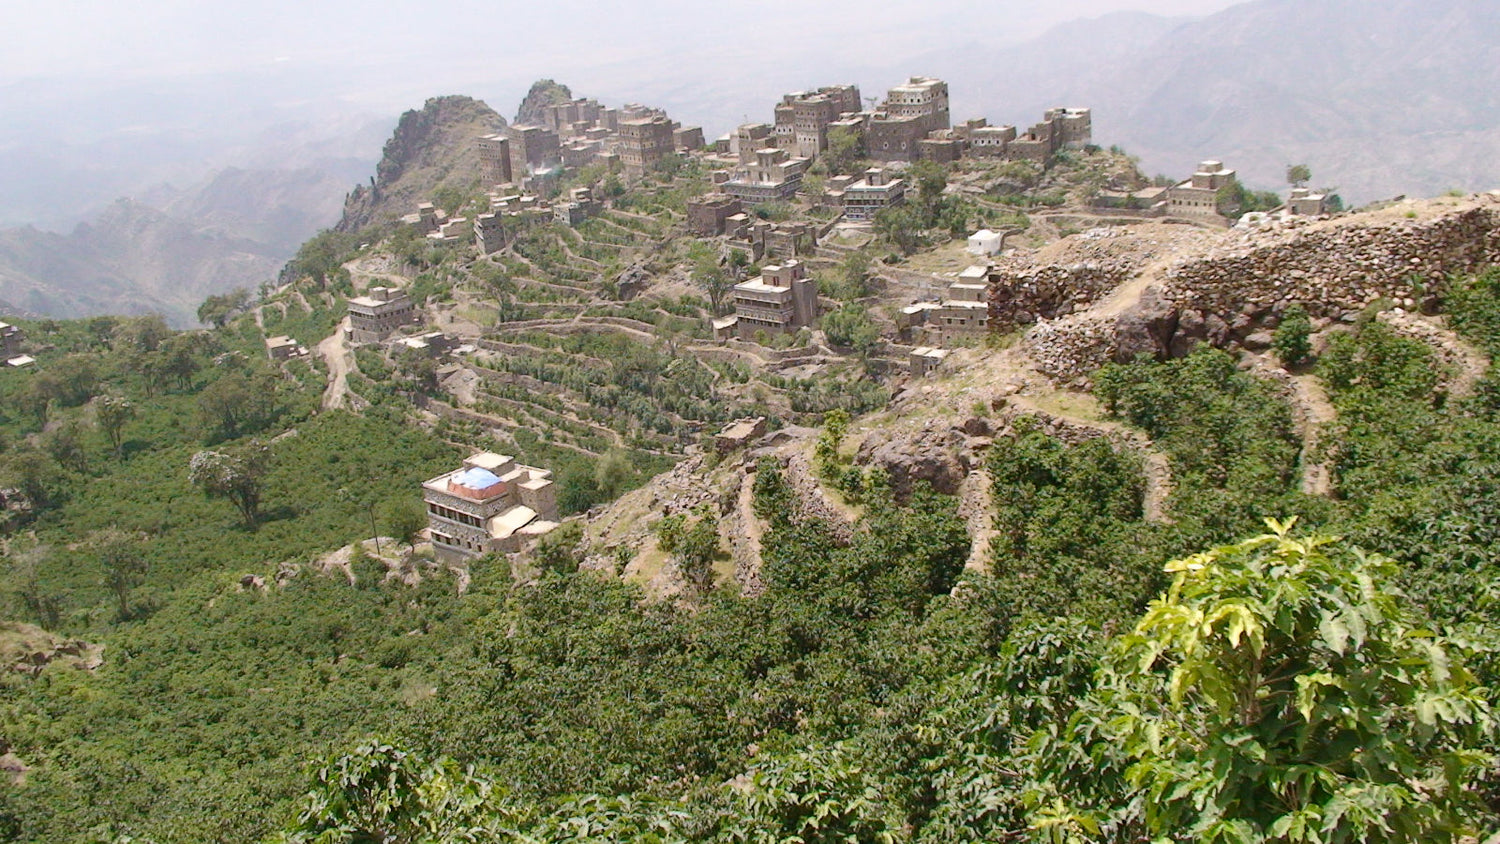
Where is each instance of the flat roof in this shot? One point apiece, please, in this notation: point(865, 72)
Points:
point(368, 302)
point(504, 525)
point(758, 285)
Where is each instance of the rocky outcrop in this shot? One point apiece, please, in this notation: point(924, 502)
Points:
point(543, 93)
point(31, 650)
point(431, 147)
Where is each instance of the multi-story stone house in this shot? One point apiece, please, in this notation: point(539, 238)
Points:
point(490, 504)
point(379, 312)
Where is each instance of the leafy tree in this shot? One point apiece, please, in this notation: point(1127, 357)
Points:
point(112, 412)
point(1292, 339)
point(1298, 175)
point(142, 333)
point(612, 472)
point(405, 522)
point(233, 473)
point(850, 327)
point(220, 307)
point(902, 226)
point(29, 471)
point(929, 179)
point(1281, 690)
point(817, 795)
point(123, 564)
point(696, 550)
point(380, 793)
point(64, 442)
point(709, 275)
point(557, 551)
point(26, 561)
point(846, 150)
point(233, 405)
point(322, 256)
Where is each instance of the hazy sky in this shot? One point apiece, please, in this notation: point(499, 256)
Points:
point(103, 99)
point(71, 37)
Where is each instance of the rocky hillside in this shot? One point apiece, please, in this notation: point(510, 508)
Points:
point(544, 92)
point(432, 147)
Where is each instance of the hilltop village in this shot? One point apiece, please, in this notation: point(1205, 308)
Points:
point(781, 219)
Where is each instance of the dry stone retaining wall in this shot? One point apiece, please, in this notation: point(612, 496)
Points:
point(1235, 295)
point(1022, 297)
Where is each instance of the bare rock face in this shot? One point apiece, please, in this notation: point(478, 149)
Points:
point(1145, 329)
point(432, 146)
point(929, 456)
point(543, 93)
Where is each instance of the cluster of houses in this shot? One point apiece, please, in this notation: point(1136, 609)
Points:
point(510, 210)
point(1201, 198)
point(580, 133)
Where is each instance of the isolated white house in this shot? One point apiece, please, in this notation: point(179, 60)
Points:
point(985, 242)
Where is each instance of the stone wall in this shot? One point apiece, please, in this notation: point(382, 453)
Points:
point(1235, 295)
point(1022, 297)
point(1336, 270)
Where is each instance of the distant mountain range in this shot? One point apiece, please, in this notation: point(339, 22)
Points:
point(1378, 98)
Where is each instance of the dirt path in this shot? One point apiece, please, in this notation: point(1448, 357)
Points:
point(1311, 413)
point(976, 508)
point(335, 352)
point(746, 541)
point(1158, 487)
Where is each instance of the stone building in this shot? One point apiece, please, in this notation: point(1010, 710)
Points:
point(1198, 197)
point(374, 316)
point(780, 300)
point(981, 140)
point(284, 348)
point(706, 214)
point(773, 175)
point(749, 139)
point(533, 149)
point(11, 338)
point(920, 96)
point(688, 138)
point(863, 199)
point(573, 118)
point(1305, 203)
point(961, 311)
point(911, 112)
point(579, 206)
point(494, 160)
point(985, 243)
point(490, 504)
point(643, 142)
point(924, 360)
point(803, 117)
point(739, 433)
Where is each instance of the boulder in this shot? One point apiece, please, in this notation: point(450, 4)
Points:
point(1146, 328)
